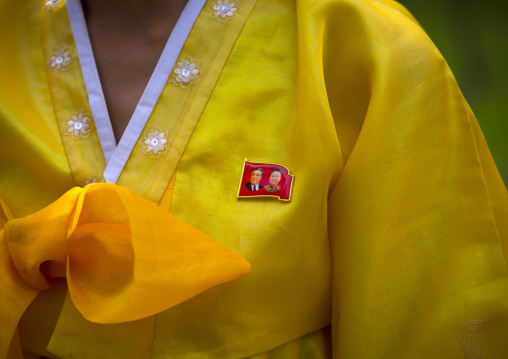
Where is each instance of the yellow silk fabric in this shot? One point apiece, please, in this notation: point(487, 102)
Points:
point(397, 230)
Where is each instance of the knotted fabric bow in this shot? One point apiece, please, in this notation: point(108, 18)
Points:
point(124, 257)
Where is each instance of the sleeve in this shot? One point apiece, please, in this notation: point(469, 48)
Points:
point(418, 216)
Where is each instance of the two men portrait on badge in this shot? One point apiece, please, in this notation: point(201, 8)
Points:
point(257, 175)
point(259, 179)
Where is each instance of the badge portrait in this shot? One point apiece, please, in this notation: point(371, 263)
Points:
point(254, 179)
point(265, 180)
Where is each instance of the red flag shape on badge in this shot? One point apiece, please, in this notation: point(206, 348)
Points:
point(265, 180)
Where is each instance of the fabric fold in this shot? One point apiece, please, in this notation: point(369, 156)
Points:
point(124, 257)
point(15, 294)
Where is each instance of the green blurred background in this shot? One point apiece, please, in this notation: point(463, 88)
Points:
point(472, 35)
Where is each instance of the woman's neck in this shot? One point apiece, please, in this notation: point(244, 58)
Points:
point(127, 38)
point(135, 13)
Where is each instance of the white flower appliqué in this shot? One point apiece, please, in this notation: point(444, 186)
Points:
point(186, 72)
point(223, 10)
point(79, 125)
point(50, 4)
point(61, 59)
point(90, 180)
point(154, 142)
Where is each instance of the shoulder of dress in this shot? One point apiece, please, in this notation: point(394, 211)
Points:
point(371, 11)
point(373, 29)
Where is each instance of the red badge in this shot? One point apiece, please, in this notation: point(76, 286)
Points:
point(265, 180)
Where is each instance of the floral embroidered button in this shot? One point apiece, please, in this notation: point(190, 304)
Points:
point(154, 142)
point(186, 72)
point(61, 59)
point(223, 10)
point(79, 125)
point(90, 180)
point(50, 4)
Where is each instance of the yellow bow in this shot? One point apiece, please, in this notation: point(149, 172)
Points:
point(124, 257)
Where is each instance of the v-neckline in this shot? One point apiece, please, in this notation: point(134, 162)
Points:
point(169, 110)
point(116, 155)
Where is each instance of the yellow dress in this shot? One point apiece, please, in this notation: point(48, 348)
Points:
point(394, 243)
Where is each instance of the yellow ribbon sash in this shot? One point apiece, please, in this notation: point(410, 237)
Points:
point(124, 257)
